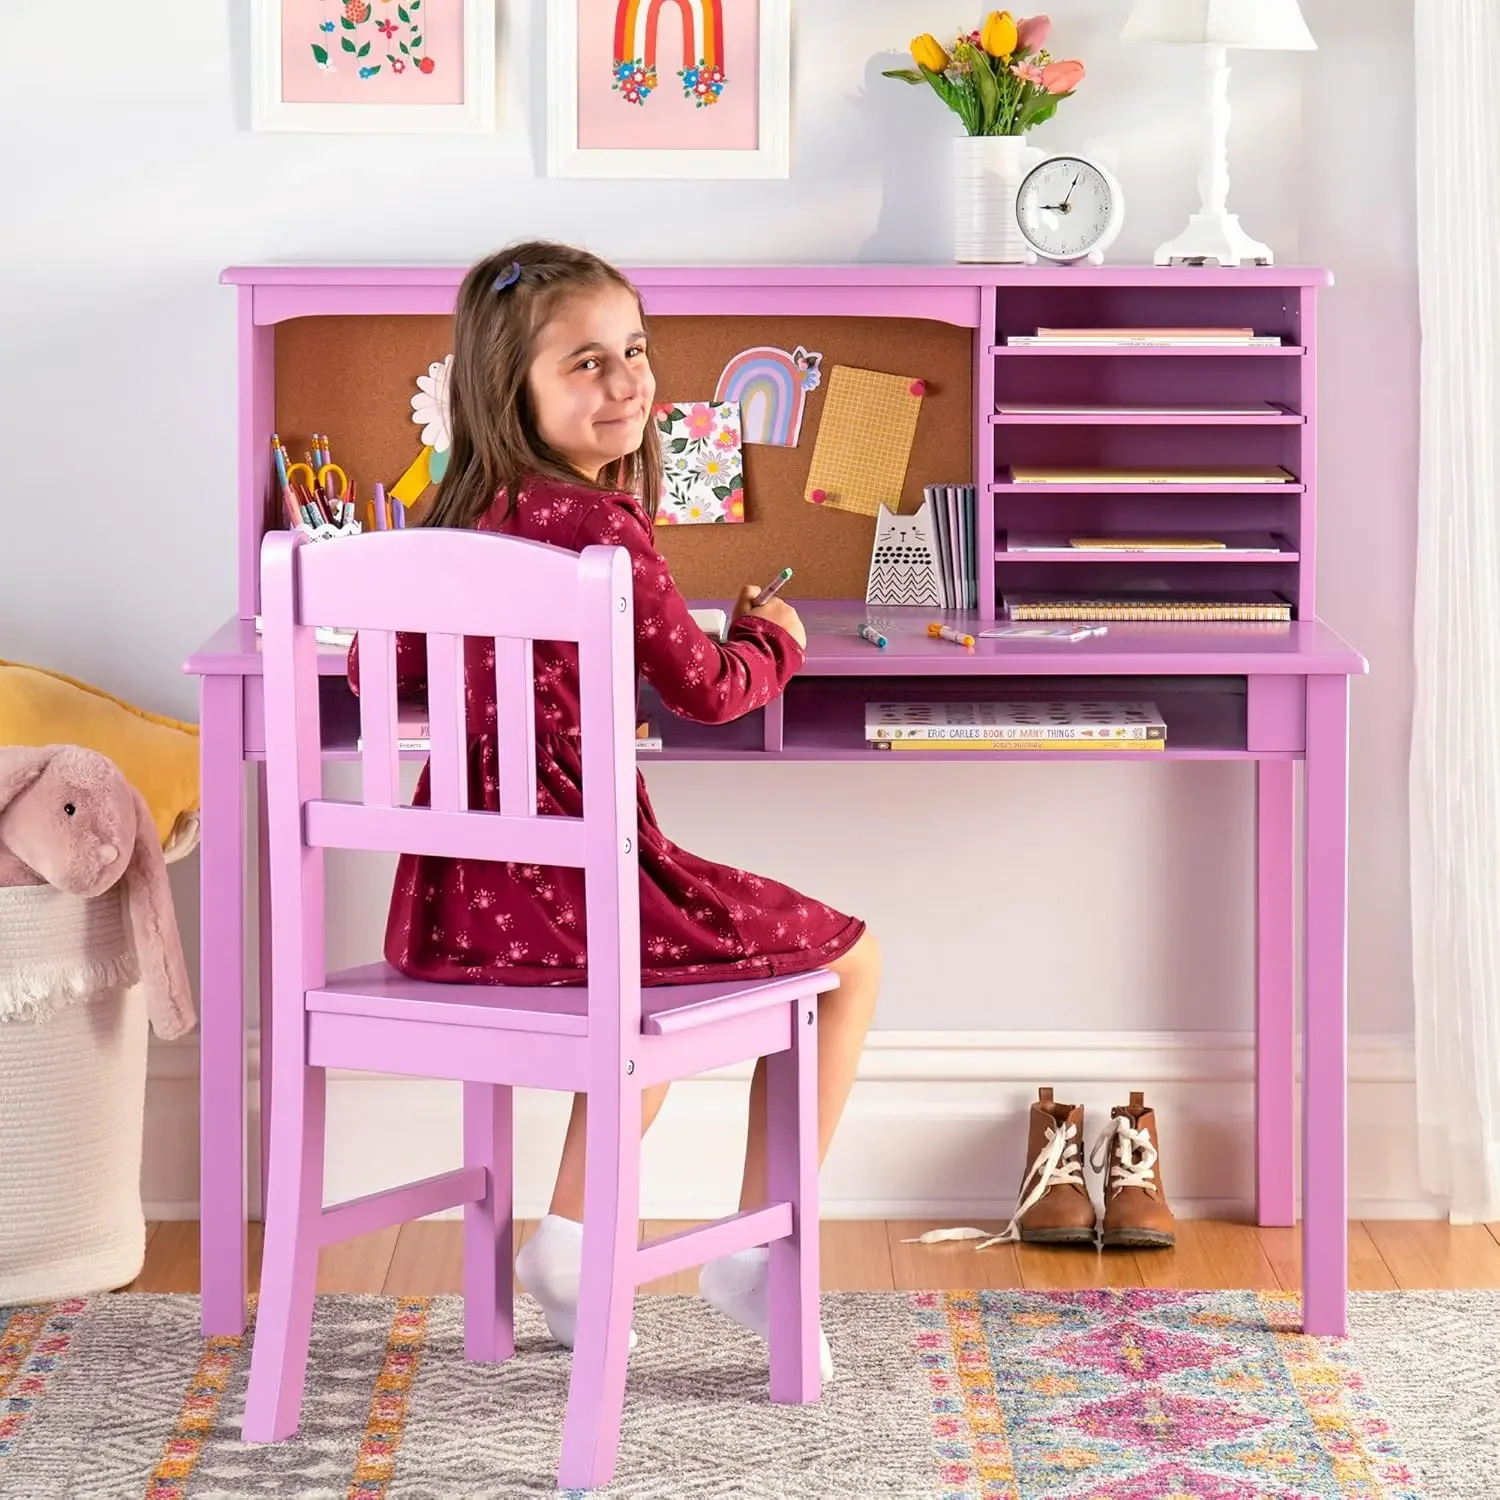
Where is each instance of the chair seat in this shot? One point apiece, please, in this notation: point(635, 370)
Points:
point(559, 1010)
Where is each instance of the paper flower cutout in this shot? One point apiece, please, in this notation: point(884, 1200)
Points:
point(429, 407)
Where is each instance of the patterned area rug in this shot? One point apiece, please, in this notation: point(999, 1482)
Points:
point(1007, 1395)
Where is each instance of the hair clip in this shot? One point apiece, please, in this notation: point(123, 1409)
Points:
point(508, 278)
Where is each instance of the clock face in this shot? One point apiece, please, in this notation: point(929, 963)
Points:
point(1064, 207)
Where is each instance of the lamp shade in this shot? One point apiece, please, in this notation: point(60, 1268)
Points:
point(1275, 25)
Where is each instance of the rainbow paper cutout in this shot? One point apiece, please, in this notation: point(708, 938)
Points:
point(771, 388)
point(637, 23)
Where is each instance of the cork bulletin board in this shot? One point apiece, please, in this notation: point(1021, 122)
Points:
point(353, 378)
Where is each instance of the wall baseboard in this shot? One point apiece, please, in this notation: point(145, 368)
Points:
point(935, 1127)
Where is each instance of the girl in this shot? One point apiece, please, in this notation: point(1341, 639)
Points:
point(553, 439)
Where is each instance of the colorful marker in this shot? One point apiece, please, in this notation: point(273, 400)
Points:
point(947, 633)
point(381, 518)
point(773, 588)
point(869, 633)
point(398, 516)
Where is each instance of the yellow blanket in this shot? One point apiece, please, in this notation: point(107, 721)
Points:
point(158, 755)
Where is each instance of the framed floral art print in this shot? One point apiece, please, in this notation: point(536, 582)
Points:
point(379, 66)
point(669, 88)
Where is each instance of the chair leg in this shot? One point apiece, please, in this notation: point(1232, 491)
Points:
point(792, 1176)
point(489, 1225)
point(606, 1292)
point(289, 1271)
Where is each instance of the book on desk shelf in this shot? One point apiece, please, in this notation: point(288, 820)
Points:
point(960, 723)
point(1064, 338)
point(1259, 605)
point(1242, 545)
point(1128, 746)
point(1074, 474)
point(1105, 409)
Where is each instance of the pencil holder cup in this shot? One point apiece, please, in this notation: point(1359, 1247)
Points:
point(327, 532)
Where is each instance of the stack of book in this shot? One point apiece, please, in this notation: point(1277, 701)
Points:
point(1064, 338)
point(1023, 724)
point(953, 508)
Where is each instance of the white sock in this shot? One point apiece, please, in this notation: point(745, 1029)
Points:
point(549, 1265)
point(739, 1286)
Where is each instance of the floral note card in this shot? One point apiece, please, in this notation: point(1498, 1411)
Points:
point(704, 474)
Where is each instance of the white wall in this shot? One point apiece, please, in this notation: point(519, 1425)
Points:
point(1112, 898)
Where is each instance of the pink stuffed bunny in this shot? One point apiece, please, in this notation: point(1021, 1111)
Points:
point(69, 819)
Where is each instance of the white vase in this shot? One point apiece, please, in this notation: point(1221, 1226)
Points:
point(987, 170)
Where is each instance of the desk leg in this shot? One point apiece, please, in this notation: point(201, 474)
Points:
point(1275, 991)
point(221, 1098)
point(263, 971)
point(1325, 1183)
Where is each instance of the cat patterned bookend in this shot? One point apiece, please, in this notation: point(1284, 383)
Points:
point(903, 563)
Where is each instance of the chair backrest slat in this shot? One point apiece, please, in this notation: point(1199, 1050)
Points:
point(516, 726)
point(447, 835)
point(447, 723)
point(379, 762)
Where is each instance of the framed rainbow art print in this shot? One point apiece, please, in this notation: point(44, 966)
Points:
point(669, 88)
point(372, 66)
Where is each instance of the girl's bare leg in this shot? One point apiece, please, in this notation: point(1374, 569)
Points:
point(844, 1017)
point(567, 1194)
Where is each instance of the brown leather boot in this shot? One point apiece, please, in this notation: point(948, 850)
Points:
point(1053, 1206)
point(1135, 1202)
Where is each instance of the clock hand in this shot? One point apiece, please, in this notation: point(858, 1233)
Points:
point(1064, 204)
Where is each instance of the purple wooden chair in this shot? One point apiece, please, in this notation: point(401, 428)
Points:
point(608, 1039)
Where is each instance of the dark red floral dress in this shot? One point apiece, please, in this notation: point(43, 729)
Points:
point(483, 922)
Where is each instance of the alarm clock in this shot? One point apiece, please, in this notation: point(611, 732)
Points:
point(1069, 208)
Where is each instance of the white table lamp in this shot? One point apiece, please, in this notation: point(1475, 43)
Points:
point(1213, 233)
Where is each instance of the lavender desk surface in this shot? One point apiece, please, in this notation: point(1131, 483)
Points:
point(1302, 648)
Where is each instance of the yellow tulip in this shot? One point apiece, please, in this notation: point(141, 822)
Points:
point(998, 34)
point(928, 52)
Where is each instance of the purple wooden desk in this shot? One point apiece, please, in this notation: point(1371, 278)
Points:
point(1270, 694)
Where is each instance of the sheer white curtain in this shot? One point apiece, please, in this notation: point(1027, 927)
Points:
point(1455, 760)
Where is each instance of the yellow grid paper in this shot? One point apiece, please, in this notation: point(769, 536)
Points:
point(864, 441)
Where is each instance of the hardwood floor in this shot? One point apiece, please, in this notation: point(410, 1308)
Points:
point(425, 1259)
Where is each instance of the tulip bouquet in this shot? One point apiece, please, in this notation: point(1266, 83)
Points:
point(997, 80)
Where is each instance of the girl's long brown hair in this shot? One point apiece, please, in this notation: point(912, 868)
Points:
point(495, 442)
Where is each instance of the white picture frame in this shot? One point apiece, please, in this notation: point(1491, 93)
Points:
point(771, 158)
point(269, 111)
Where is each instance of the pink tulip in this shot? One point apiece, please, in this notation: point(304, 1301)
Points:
point(1031, 33)
point(1062, 77)
point(1029, 72)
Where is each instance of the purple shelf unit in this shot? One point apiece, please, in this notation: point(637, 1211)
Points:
point(1109, 425)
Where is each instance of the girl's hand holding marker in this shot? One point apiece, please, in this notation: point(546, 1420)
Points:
point(763, 602)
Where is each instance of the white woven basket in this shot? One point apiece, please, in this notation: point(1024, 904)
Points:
point(72, 1095)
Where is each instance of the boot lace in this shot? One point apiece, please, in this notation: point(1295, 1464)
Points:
point(1058, 1163)
point(1135, 1157)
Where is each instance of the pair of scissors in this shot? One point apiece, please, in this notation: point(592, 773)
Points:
point(320, 483)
